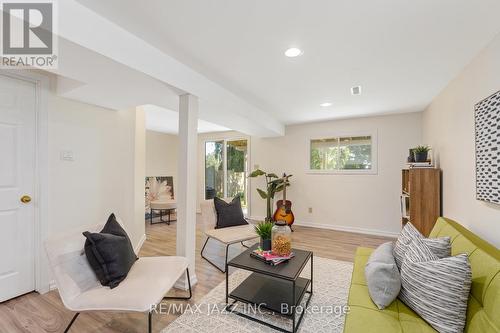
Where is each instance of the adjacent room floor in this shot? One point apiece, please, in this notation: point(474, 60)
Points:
point(46, 313)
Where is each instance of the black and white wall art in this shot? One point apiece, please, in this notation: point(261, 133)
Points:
point(487, 116)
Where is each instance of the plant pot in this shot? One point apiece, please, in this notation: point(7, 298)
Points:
point(421, 157)
point(265, 244)
point(411, 156)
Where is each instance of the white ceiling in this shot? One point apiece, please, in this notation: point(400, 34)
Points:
point(402, 53)
point(89, 77)
point(166, 121)
point(130, 72)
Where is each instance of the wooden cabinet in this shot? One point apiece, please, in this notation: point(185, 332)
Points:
point(421, 198)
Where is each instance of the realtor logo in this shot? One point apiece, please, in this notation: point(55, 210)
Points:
point(28, 34)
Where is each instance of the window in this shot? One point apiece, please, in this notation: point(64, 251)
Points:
point(343, 154)
point(226, 166)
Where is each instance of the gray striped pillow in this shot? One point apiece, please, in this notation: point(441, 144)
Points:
point(441, 247)
point(436, 289)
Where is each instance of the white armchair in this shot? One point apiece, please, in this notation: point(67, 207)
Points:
point(226, 236)
point(147, 282)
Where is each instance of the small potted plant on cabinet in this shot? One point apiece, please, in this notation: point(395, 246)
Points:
point(421, 153)
point(264, 230)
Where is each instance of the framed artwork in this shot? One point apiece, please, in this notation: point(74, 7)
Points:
point(487, 122)
point(158, 188)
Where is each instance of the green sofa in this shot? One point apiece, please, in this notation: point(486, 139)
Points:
point(483, 312)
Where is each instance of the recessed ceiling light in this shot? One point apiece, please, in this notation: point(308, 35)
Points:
point(293, 52)
point(356, 90)
point(326, 104)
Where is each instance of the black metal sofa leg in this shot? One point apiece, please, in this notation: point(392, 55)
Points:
point(71, 322)
point(173, 297)
point(211, 262)
point(190, 291)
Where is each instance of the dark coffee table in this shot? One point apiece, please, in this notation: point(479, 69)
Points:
point(275, 288)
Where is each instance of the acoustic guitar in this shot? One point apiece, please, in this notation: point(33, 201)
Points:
point(284, 208)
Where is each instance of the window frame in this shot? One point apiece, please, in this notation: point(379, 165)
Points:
point(374, 148)
point(226, 138)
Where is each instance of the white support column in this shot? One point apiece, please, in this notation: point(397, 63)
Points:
point(187, 182)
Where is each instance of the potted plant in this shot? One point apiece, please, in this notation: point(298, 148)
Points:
point(264, 230)
point(421, 153)
point(274, 184)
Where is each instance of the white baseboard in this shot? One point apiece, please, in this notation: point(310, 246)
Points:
point(348, 229)
point(52, 285)
point(356, 230)
point(137, 248)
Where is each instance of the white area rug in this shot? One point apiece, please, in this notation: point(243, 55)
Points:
point(331, 286)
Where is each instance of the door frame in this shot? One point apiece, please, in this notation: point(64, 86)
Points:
point(42, 86)
point(226, 138)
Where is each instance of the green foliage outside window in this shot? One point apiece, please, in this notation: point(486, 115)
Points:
point(346, 153)
point(236, 161)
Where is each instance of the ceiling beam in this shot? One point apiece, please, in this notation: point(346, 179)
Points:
point(84, 27)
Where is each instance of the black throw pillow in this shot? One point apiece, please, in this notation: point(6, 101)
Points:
point(229, 214)
point(110, 253)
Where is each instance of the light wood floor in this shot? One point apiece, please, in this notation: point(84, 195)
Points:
point(46, 313)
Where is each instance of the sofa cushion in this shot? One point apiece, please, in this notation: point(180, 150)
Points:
point(408, 315)
point(110, 253)
point(364, 251)
point(229, 214)
point(397, 318)
point(364, 320)
point(359, 296)
point(436, 289)
point(208, 213)
point(233, 235)
point(484, 300)
point(483, 303)
point(382, 276)
point(414, 326)
point(441, 247)
point(360, 260)
point(362, 310)
point(146, 284)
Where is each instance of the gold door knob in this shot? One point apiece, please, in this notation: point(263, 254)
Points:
point(25, 199)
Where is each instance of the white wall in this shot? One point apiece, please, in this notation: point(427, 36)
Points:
point(101, 178)
point(448, 125)
point(362, 203)
point(162, 155)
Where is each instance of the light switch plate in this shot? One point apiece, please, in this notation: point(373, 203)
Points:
point(67, 155)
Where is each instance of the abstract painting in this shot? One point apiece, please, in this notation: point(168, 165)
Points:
point(487, 117)
point(158, 188)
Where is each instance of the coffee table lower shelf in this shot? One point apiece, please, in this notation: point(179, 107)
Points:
point(277, 295)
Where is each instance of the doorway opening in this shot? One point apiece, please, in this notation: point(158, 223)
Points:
point(226, 167)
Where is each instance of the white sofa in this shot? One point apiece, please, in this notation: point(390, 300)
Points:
point(226, 236)
point(149, 279)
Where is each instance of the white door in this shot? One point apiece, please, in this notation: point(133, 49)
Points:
point(17, 179)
